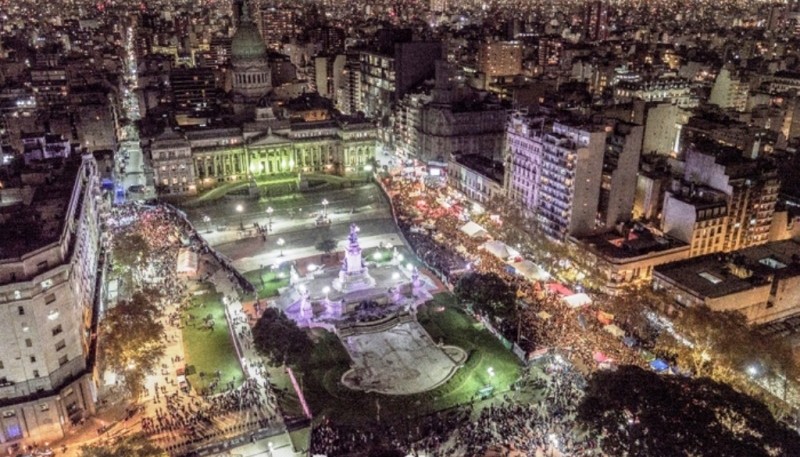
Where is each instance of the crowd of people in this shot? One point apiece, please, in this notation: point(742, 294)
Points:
point(504, 426)
point(177, 414)
point(545, 428)
point(413, 435)
point(431, 221)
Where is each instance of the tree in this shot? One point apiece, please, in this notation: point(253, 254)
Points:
point(129, 248)
point(132, 342)
point(128, 446)
point(720, 345)
point(326, 245)
point(279, 338)
point(489, 293)
point(642, 413)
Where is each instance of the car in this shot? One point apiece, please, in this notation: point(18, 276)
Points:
point(137, 188)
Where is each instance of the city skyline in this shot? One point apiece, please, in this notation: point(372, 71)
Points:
point(406, 227)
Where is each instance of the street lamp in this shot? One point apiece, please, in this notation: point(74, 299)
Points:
point(326, 290)
point(240, 209)
point(269, 215)
point(281, 242)
point(325, 207)
point(207, 220)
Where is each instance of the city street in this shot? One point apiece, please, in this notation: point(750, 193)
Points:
point(130, 163)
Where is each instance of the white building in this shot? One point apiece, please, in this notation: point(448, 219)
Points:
point(561, 165)
point(172, 163)
point(48, 277)
point(663, 127)
point(729, 91)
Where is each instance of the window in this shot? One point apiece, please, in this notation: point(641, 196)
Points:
point(62, 360)
point(61, 345)
point(57, 330)
point(35, 373)
point(709, 277)
point(1, 365)
point(21, 310)
point(28, 342)
point(33, 359)
point(50, 298)
point(44, 407)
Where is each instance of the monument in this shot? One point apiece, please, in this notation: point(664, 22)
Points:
point(354, 275)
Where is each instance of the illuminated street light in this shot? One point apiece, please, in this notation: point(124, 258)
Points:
point(281, 242)
point(326, 290)
point(240, 209)
point(325, 207)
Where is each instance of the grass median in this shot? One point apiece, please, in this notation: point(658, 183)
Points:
point(208, 344)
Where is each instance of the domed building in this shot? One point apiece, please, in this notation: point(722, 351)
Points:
point(251, 73)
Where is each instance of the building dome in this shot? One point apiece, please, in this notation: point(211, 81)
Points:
point(247, 43)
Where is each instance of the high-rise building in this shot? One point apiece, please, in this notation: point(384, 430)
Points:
point(554, 171)
point(348, 100)
point(663, 126)
point(501, 58)
point(459, 121)
point(278, 25)
point(48, 284)
point(751, 186)
point(328, 75)
point(730, 91)
point(595, 21)
point(620, 167)
point(550, 50)
point(193, 89)
point(696, 215)
point(385, 78)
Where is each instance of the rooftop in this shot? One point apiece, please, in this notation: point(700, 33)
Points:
point(482, 165)
point(708, 276)
point(27, 226)
point(636, 242)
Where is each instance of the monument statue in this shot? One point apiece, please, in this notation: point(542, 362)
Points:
point(353, 275)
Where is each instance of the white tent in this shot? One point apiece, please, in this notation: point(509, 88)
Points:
point(474, 230)
point(577, 300)
point(530, 270)
point(187, 262)
point(499, 249)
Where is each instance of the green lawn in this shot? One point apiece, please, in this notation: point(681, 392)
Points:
point(267, 281)
point(329, 360)
point(209, 350)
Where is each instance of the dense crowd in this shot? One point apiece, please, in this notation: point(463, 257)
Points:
point(184, 415)
point(546, 428)
point(412, 435)
point(198, 417)
point(431, 218)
